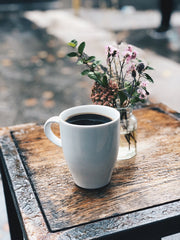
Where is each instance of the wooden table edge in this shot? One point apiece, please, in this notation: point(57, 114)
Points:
point(105, 227)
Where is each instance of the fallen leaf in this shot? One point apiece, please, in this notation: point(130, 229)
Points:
point(49, 103)
point(42, 54)
point(34, 59)
point(50, 58)
point(6, 62)
point(66, 70)
point(51, 43)
point(48, 95)
point(42, 72)
point(61, 53)
point(30, 102)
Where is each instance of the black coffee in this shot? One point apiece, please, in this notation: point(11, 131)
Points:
point(88, 119)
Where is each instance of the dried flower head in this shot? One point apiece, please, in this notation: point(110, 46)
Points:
point(105, 95)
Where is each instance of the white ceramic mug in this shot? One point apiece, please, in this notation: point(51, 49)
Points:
point(90, 150)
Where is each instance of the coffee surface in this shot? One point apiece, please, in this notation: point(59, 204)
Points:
point(88, 119)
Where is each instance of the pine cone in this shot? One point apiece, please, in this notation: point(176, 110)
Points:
point(105, 95)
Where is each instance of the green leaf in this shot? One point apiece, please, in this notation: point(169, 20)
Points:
point(98, 74)
point(81, 48)
point(149, 68)
point(97, 62)
point(85, 72)
point(148, 77)
point(72, 54)
point(91, 58)
point(122, 96)
point(92, 76)
point(105, 82)
point(100, 82)
point(128, 89)
point(135, 95)
point(80, 62)
point(93, 65)
point(73, 43)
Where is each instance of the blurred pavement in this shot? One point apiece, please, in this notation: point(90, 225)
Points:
point(99, 27)
point(37, 80)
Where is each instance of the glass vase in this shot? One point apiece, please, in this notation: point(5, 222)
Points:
point(128, 126)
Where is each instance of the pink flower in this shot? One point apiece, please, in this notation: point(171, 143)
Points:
point(127, 54)
point(131, 68)
point(107, 49)
point(142, 93)
point(134, 54)
point(144, 83)
point(129, 48)
point(110, 50)
point(142, 97)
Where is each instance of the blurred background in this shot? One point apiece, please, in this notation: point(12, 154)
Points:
point(38, 81)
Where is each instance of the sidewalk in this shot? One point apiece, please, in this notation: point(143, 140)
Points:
point(99, 27)
point(37, 80)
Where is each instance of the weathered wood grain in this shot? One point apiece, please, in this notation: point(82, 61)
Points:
point(149, 179)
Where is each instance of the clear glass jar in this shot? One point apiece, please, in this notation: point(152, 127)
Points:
point(128, 126)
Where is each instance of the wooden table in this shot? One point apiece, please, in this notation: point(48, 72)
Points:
point(142, 200)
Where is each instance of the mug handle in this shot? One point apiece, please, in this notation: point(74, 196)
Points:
point(49, 133)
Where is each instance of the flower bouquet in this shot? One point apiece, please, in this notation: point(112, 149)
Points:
point(121, 84)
